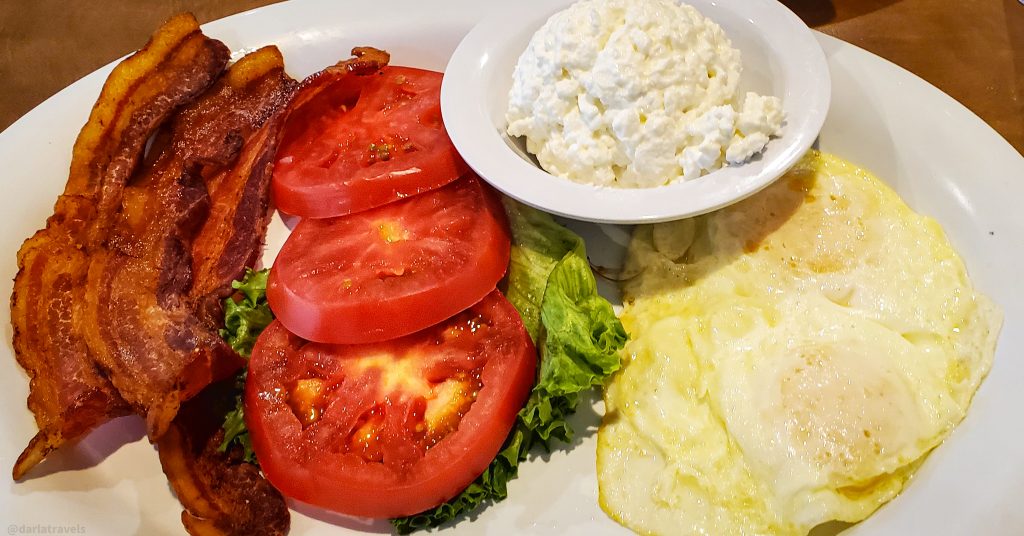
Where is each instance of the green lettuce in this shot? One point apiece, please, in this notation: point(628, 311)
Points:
point(245, 318)
point(549, 281)
point(245, 315)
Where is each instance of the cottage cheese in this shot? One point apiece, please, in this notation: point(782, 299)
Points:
point(635, 93)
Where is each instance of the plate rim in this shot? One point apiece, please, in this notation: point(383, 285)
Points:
point(64, 96)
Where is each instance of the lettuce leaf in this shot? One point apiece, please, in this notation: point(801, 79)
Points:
point(538, 244)
point(244, 320)
point(235, 431)
point(579, 338)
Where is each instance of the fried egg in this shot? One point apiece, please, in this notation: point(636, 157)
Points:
point(793, 358)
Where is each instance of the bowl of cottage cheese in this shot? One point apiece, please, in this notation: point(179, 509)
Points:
point(635, 111)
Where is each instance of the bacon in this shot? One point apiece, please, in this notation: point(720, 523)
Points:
point(117, 302)
point(222, 495)
point(366, 61)
point(231, 238)
point(113, 302)
point(139, 319)
point(68, 394)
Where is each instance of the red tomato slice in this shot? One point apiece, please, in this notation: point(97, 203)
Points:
point(393, 270)
point(393, 428)
point(363, 141)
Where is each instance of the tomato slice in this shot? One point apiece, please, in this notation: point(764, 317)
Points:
point(363, 141)
point(392, 270)
point(393, 428)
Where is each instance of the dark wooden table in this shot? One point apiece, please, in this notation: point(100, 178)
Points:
point(971, 49)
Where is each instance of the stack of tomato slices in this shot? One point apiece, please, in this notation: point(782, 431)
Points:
point(395, 369)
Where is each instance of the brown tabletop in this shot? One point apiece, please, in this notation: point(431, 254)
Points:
point(971, 49)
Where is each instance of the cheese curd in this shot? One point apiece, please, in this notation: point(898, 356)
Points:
point(635, 93)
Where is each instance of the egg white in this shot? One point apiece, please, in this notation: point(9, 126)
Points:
point(792, 359)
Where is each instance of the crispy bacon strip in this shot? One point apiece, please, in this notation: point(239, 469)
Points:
point(68, 394)
point(231, 238)
point(117, 301)
point(366, 61)
point(223, 496)
point(138, 319)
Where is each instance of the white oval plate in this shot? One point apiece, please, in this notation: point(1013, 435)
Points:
point(945, 162)
point(780, 57)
